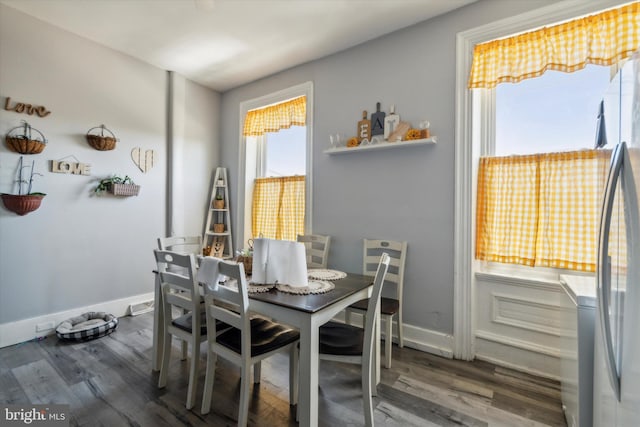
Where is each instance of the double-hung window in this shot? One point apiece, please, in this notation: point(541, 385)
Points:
point(539, 177)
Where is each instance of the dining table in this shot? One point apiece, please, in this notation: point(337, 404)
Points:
point(306, 312)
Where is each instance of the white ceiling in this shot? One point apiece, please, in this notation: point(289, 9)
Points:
point(223, 44)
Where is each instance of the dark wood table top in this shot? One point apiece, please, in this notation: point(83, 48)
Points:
point(315, 302)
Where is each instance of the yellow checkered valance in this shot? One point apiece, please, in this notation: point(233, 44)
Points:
point(602, 39)
point(541, 209)
point(276, 117)
point(278, 207)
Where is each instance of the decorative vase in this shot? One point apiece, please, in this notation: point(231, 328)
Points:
point(218, 204)
point(22, 204)
point(218, 228)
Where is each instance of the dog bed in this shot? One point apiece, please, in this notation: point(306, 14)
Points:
point(87, 326)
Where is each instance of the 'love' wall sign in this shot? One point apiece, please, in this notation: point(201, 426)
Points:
point(29, 109)
point(72, 168)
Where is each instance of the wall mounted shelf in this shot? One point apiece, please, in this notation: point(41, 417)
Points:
point(382, 146)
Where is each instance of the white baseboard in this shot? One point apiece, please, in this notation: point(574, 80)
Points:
point(24, 330)
point(417, 338)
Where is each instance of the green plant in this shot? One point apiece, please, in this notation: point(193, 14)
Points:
point(106, 183)
point(219, 197)
point(23, 181)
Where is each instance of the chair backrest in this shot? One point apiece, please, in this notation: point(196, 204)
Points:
point(374, 304)
point(230, 305)
point(317, 248)
point(178, 282)
point(181, 244)
point(397, 252)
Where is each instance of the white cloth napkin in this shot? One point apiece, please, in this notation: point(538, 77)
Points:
point(279, 261)
point(209, 273)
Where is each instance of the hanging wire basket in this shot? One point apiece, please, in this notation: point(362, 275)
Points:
point(22, 139)
point(101, 142)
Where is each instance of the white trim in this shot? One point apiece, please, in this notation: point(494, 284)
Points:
point(305, 89)
point(523, 345)
point(524, 282)
point(464, 207)
point(25, 330)
point(516, 319)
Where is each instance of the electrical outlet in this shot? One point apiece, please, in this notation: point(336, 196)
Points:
point(45, 326)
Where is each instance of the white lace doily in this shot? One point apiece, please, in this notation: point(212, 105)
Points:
point(324, 274)
point(315, 287)
point(252, 288)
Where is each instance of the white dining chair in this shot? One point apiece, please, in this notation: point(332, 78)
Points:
point(390, 307)
point(179, 288)
point(317, 249)
point(249, 340)
point(183, 245)
point(347, 343)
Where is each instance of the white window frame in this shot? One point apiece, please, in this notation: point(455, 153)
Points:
point(471, 139)
point(251, 157)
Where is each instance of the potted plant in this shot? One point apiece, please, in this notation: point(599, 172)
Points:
point(117, 186)
point(23, 202)
point(218, 203)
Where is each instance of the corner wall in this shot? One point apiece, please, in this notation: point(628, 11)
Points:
point(79, 251)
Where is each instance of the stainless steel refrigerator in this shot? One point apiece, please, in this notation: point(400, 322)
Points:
point(616, 387)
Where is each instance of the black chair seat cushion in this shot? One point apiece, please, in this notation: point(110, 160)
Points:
point(341, 339)
point(388, 306)
point(184, 322)
point(265, 337)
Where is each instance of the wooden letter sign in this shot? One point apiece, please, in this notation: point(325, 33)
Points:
point(72, 168)
point(29, 109)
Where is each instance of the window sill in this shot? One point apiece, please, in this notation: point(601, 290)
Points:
point(538, 278)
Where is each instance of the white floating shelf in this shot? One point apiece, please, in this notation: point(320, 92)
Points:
point(381, 146)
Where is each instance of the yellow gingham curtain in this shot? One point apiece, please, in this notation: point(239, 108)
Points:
point(278, 207)
point(541, 209)
point(602, 39)
point(276, 117)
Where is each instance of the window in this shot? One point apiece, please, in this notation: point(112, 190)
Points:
point(554, 112)
point(285, 152)
point(276, 153)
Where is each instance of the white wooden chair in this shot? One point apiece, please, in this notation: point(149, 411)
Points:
point(347, 343)
point(247, 342)
point(179, 289)
point(389, 306)
point(181, 244)
point(317, 249)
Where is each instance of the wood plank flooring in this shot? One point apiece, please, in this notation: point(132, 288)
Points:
point(109, 382)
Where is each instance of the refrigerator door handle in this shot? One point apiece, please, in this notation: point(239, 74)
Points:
point(604, 266)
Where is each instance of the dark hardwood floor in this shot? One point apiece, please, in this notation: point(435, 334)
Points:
point(109, 382)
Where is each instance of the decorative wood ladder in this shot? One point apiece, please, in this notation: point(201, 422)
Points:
point(217, 231)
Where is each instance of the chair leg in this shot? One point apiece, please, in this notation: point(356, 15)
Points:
point(185, 346)
point(166, 356)
point(293, 375)
point(257, 369)
point(193, 372)
point(388, 341)
point(367, 391)
point(400, 330)
point(208, 381)
point(243, 407)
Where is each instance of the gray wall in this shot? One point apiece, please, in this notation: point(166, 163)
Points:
point(78, 250)
point(404, 194)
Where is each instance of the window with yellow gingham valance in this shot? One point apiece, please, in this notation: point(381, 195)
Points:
point(603, 39)
point(278, 207)
point(541, 209)
point(275, 117)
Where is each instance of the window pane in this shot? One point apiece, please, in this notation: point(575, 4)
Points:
point(554, 112)
point(286, 152)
